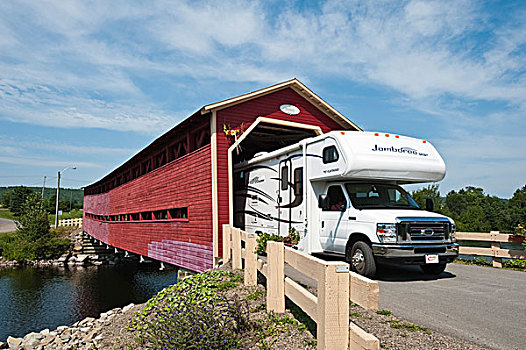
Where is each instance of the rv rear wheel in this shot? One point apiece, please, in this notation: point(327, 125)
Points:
point(360, 257)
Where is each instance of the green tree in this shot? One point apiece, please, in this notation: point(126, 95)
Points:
point(474, 220)
point(18, 198)
point(33, 223)
point(432, 192)
point(517, 209)
point(6, 198)
point(33, 239)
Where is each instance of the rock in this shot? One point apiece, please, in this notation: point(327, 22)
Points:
point(44, 332)
point(47, 340)
point(14, 343)
point(3, 345)
point(87, 321)
point(128, 307)
point(63, 258)
point(61, 329)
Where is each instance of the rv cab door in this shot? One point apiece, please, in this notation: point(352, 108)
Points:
point(333, 225)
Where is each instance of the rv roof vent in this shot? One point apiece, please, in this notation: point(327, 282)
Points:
point(259, 154)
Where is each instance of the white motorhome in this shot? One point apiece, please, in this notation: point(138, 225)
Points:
point(341, 192)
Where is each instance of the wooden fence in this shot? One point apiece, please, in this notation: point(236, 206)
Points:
point(335, 287)
point(70, 222)
point(495, 251)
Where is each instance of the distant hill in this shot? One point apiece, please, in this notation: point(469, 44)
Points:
point(76, 195)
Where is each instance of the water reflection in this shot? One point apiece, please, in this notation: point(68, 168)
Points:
point(32, 299)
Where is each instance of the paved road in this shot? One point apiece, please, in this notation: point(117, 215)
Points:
point(484, 305)
point(7, 225)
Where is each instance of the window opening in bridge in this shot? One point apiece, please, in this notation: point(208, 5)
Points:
point(160, 214)
point(172, 214)
point(178, 213)
point(146, 215)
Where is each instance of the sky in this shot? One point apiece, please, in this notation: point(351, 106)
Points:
point(91, 83)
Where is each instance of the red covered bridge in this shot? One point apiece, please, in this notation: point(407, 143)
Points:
point(170, 200)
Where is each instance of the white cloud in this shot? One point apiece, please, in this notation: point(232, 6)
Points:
point(75, 64)
point(45, 162)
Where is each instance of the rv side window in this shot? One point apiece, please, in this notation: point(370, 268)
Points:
point(330, 154)
point(298, 182)
point(284, 177)
point(337, 201)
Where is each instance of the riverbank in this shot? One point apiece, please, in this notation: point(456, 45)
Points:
point(76, 255)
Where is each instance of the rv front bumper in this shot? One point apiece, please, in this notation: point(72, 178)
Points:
point(414, 254)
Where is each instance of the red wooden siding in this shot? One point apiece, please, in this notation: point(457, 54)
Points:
point(247, 112)
point(185, 182)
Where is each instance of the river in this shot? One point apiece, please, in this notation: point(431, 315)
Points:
point(32, 299)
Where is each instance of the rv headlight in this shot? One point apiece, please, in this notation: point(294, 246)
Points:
point(453, 232)
point(386, 233)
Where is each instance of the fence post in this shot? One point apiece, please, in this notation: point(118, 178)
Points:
point(495, 246)
point(333, 307)
point(227, 236)
point(251, 260)
point(236, 249)
point(276, 277)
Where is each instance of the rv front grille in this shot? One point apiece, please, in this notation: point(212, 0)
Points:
point(420, 231)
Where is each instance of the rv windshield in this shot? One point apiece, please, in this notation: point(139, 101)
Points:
point(379, 196)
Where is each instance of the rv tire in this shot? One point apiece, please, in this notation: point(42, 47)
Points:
point(361, 259)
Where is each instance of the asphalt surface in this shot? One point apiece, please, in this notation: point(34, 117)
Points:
point(7, 226)
point(483, 305)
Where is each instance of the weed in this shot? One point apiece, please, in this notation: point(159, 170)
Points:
point(384, 312)
point(312, 342)
point(409, 326)
point(355, 314)
point(256, 294)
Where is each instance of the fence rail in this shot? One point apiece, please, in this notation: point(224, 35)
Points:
point(70, 222)
point(336, 286)
point(495, 251)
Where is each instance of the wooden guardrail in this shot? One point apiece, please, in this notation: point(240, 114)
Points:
point(70, 222)
point(495, 251)
point(335, 287)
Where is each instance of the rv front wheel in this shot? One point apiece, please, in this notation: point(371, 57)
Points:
point(361, 259)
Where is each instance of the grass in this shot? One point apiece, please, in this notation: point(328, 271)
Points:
point(384, 312)
point(510, 264)
point(74, 214)
point(6, 214)
point(409, 326)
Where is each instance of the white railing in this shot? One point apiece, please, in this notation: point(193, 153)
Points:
point(495, 251)
point(336, 286)
point(70, 222)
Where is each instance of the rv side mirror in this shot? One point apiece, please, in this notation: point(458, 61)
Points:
point(323, 201)
point(429, 204)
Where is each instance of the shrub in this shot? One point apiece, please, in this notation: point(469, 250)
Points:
point(34, 240)
point(192, 315)
point(291, 239)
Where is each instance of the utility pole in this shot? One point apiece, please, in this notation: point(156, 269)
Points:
point(43, 187)
point(58, 188)
point(56, 201)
